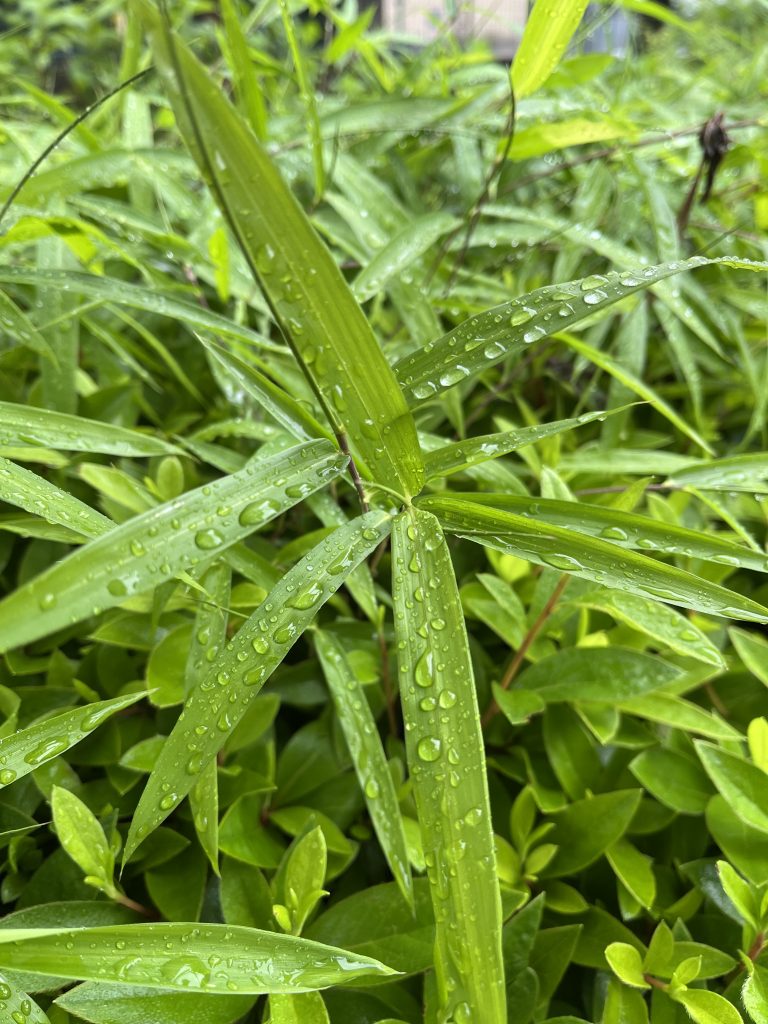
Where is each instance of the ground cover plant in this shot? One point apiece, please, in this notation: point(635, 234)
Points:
point(382, 458)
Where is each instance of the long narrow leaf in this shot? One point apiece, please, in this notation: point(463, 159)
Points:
point(453, 458)
point(590, 558)
point(209, 958)
point(213, 709)
point(307, 293)
point(548, 31)
point(624, 529)
point(484, 339)
point(740, 473)
point(359, 728)
point(45, 428)
point(157, 545)
point(447, 765)
point(27, 749)
point(35, 494)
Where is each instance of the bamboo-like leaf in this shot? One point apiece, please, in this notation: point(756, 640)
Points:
point(213, 709)
point(121, 293)
point(453, 458)
point(633, 383)
point(27, 749)
point(406, 247)
point(740, 782)
point(206, 643)
point(447, 765)
point(35, 494)
point(246, 81)
point(589, 558)
point(508, 329)
point(740, 473)
point(623, 529)
point(18, 1006)
point(162, 542)
point(317, 313)
point(281, 406)
point(308, 99)
point(548, 31)
point(359, 728)
point(23, 425)
point(213, 958)
point(18, 326)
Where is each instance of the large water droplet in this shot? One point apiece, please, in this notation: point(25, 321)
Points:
point(428, 748)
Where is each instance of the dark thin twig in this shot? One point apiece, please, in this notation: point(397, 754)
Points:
point(387, 682)
point(519, 657)
point(343, 443)
point(62, 135)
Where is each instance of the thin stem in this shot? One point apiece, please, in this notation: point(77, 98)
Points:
point(387, 681)
point(343, 443)
point(655, 982)
point(519, 657)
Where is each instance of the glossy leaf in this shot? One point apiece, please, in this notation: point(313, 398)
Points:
point(154, 547)
point(22, 425)
point(81, 835)
point(708, 1007)
point(211, 958)
point(742, 784)
point(607, 675)
point(18, 1006)
point(407, 246)
point(673, 779)
point(586, 828)
point(624, 529)
point(35, 494)
point(28, 749)
point(548, 30)
point(453, 458)
point(508, 329)
point(219, 702)
point(134, 1004)
point(740, 473)
point(360, 732)
point(588, 557)
point(307, 1008)
point(446, 762)
point(753, 651)
point(318, 315)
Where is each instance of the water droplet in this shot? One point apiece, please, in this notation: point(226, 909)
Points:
point(372, 789)
point(424, 390)
point(117, 588)
point(424, 671)
point(307, 597)
point(208, 540)
point(565, 562)
point(437, 624)
point(447, 699)
point(522, 316)
point(284, 634)
point(137, 548)
point(428, 748)
point(168, 802)
point(46, 750)
point(46, 602)
point(614, 533)
point(260, 644)
point(7, 776)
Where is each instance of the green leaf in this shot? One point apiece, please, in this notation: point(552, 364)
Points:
point(28, 749)
point(635, 871)
point(453, 458)
point(738, 473)
point(121, 293)
point(673, 779)
point(707, 1007)
point(575, 131)
point(317, 314)
point(81, 835)
point(157, 545)
point(37, 495)
point(624, 529)
point(605, 674)
point(23, 425)
point(744, 846)
point(755, 995)
point(627, 964)
point(307, 1008)
point(246, 82)
point(739, 893)
point(213, 957)
point(663, 624)
point(670, 710)
point(18, 1006)
point(743, 785)
point(548, 30)
point(400, 252)
point(123, 1004)
point(362, 737)
point(753, 651)
point(508, 329)
point(587, 557)
point(447, 764)
point(248, 660)
point(585, 829)
point(302, 875)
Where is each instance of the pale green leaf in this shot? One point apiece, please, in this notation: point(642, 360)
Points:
point(743, 785)
point(249, 658)
point(157, 545)
point(548, 30)
point(447, 765)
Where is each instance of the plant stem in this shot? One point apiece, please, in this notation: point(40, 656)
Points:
point(517, 660)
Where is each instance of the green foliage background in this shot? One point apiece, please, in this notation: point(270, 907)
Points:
point(465, 729)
